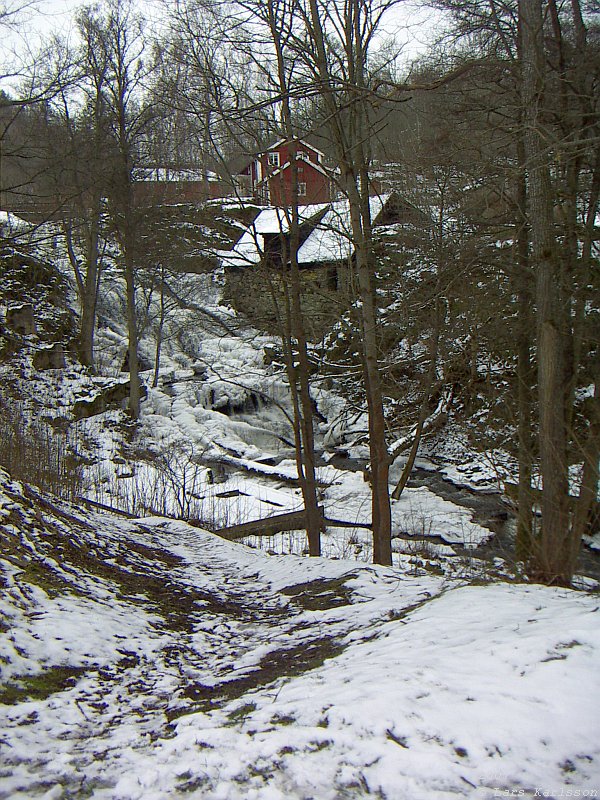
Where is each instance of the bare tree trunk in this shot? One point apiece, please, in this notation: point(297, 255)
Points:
point(431, 372)
point(378, 452)
point(124, 83)
point(305, 455)
point(132, 352)
point(89, 298)
point(161, 325)
point(552, 555)
point(295, 333)
point(525, 377)
point(349, 137)
point(588, 491)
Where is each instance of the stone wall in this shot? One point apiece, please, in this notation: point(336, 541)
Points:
point(260, 295)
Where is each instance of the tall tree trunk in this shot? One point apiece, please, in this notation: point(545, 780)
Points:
point(378, 451)
point(431, 373)
point(133, 360)
point(306, 456)
point(89, 298)
point(525, 373)
point(298, 373)
point(552, 562)
point(588, 491)
point(161, 326)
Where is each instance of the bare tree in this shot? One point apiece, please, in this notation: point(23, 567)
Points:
point(81, 164)
point(279, 18)
point(234, 110)
point(339, 41)
point(559, 332)
point(544, 68)
point(117, 36)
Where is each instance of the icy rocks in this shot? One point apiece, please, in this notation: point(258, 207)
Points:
point(105, 398)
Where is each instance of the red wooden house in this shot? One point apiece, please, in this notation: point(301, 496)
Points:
point(272, 176)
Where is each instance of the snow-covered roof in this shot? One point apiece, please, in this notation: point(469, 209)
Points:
point(163, 174)
point(279, 142)
point(250, 247)
point(11, 222)
point(331, 239)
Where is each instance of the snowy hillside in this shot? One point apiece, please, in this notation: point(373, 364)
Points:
point(145, 659)
point(215, 442)
point(299, 401)
point(142, 658)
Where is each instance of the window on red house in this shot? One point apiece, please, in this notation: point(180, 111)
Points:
point(273, 159)
point(301, 189)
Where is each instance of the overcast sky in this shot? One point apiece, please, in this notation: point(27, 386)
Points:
point(40, 18)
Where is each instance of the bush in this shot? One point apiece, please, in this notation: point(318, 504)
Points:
point(32, 451)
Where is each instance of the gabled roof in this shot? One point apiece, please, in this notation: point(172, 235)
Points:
point(326, 232)
point(316, 166)
point(331, 239)
point(250, 248)
point(279, 142)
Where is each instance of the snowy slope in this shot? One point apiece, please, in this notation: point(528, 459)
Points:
point(148, 659)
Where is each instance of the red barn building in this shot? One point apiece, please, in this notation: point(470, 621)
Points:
point(272, 176)
point(170, 186)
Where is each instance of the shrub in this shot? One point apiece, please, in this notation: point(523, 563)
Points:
point(32, 451)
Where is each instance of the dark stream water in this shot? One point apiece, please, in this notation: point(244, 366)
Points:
point(489, 509)
point(493, 512)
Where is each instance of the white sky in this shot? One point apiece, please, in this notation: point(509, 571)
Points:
point(29, 22)
point(37, 19)
point(410, 24)
point(40, 18)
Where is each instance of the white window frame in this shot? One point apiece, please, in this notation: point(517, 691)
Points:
point(273, 159)
point(301, 188)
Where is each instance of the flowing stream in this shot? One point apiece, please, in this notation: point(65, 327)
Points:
point(490, 510)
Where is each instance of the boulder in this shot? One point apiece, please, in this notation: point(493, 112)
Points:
point(20, 319)
point(52, 357)
point(107, 397)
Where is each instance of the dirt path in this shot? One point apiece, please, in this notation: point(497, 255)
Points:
point(123, 626)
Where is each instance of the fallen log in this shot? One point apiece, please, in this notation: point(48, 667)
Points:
point(103, 507)
point(405, 537)
point(269, 526)
point(296, 520)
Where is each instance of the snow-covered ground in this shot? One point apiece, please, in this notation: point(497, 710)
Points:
point(215, 439)
point(146, 659)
